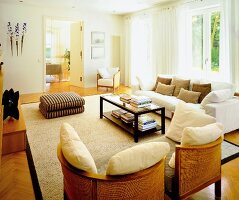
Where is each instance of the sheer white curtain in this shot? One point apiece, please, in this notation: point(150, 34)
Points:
point(127, 51)
point(141, 43)
point(231, 19)
point(165, 41)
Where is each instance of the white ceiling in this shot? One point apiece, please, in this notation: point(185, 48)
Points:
point(109, 6)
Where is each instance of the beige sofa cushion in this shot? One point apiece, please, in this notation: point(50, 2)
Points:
point(189, 96)
point(186, 116)
point(180, 83)
point(163, 80)
point(165, 89)
point(137, 158)
point(74, 150)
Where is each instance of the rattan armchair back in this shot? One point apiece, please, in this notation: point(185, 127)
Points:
point(146, 184)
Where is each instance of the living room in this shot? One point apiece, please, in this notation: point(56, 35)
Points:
point(192, 39)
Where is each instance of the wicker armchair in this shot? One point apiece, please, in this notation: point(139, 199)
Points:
point(146, 184)
point(197, 167)
point(113, 83)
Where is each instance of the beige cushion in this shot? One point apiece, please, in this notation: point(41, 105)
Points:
point(165, 89)
point(202, 135)
point(186, 116)
point(74, 150)
point(104, 73)
point(171, 162)
point(189, 96)
point(180, 83)
point(163, 80)
point(105, 82)
point(137, 158)
point(205, 89)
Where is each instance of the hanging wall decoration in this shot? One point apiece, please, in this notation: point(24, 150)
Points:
point(16, 36)
point(24, 30)
point(10, 34)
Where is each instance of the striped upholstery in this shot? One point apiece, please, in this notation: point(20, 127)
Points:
point(61, 104)
point(60, 113)
point(58, 101)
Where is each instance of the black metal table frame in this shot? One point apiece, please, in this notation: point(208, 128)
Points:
point(136, 117)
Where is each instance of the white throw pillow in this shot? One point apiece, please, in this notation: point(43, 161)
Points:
point(74, 150)
point(104, 73)
point(145, 84)
point(186, 116)
point(202, 135)
point(137, 158)
point(217, 96)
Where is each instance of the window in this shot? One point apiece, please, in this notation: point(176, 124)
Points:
point(205, 26)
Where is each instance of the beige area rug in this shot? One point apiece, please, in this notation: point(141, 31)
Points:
point(102, 138)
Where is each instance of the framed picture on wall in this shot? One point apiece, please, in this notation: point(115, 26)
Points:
point(97, 38)
point(97, 52)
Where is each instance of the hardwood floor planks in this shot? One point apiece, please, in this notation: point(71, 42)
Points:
point(15, 181)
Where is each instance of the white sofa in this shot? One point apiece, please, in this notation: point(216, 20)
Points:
point(226, 112)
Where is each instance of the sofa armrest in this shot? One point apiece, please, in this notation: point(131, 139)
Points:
point(226, 112)
point(135, 88)
point(116, 79)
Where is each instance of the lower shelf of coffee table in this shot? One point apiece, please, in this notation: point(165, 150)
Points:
point(129, 127)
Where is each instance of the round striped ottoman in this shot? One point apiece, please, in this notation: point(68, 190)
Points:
point(61, 104)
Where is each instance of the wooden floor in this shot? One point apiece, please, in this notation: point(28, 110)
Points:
point(15, 181)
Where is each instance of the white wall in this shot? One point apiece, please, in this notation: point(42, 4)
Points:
point(26, 73)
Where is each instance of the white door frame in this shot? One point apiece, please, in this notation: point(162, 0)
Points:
point(45, 17)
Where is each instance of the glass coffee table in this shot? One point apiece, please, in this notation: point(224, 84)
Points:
point(115, 100)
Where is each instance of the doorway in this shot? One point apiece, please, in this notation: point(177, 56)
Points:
point(57, 50)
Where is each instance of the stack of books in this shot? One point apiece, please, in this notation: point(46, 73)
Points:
point(125, 98)
point(127, 118)
point(140, 101)
point(146, 122)
point(118, 113)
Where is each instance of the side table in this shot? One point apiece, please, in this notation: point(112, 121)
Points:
point(14, 134)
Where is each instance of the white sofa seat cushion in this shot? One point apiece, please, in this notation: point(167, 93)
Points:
point(105, 82)
point(137, 158)
point(74, 150)
point(186, 116)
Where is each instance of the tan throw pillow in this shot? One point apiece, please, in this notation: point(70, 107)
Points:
point(189, 96)
point(179, 83)
point(165, 89)
point(205, 89)
point(166, 81)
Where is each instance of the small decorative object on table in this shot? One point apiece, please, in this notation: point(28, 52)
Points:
point(10, 102)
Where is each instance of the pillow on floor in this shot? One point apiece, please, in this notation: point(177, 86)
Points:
point(74, 150)
point(186, 116)
point(137, 158)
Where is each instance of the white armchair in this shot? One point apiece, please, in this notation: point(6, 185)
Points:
point(108, 77)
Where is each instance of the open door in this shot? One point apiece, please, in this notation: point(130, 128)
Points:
point(76, 46)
